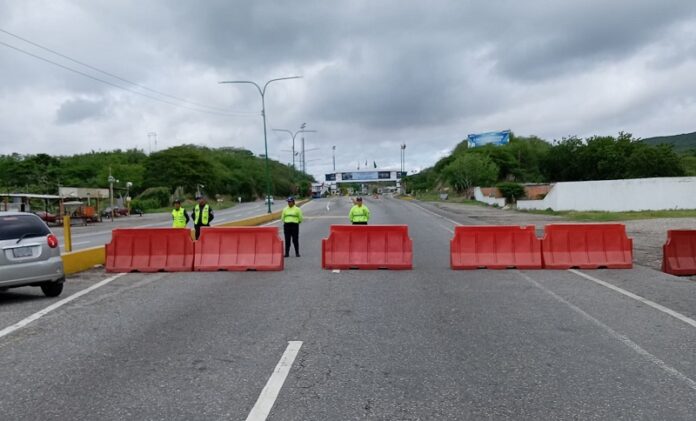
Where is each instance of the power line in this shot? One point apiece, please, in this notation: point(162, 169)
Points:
point(110, 74)
point(119, 86)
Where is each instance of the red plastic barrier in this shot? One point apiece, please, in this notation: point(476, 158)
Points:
point(495, 247)
point(586, 246)
point(367, 247)
point(239, 249)
point(150, 250)
point(679, 253)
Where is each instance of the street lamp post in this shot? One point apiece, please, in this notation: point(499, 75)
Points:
point(333, 155)
point(293, 135)
point(262, 92)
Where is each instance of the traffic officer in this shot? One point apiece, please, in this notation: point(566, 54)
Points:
point(202, 215)
point(292, 218)
point(359, 213)
point(179, 216)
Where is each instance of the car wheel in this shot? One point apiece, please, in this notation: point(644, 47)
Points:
point(52, 289)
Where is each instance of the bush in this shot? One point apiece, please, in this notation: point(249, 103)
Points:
point(511, 191)
point(156, 197)
point(145, 204)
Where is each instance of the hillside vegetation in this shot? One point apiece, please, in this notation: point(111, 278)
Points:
point(533, 160)
point(681, 142)
point(225, 171)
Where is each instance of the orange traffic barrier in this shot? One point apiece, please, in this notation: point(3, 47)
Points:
point(495, 247)
point(586, 246)
point(367, 247)
point(149, 250)
point(679, 253)
point(239, 249)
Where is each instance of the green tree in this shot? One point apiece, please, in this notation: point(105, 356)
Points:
point(470, 170)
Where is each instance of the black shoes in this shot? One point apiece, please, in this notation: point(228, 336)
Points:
point(296, 255)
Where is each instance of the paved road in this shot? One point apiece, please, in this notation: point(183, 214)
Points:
point(414, 345)
point(100, 234)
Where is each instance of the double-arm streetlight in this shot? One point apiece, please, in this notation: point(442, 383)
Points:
point(293, 135)
point(262, 92)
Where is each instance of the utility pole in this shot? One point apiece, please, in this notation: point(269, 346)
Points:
point(303, 159)
point(334, 157)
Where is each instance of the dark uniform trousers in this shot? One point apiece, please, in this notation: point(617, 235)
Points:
point(292, 232)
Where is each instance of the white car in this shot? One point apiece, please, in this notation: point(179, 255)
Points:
point(269, 198)
point(29, 254)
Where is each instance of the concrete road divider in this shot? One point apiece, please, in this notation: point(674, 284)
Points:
point(239, 249)
point(150, 250)
point(679, 253)
point(587, 246)
point(367, 247)
point(495, 247)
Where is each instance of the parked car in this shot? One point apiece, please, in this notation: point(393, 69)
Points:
point(46, 216)
point(270, 199)
point(29, 254)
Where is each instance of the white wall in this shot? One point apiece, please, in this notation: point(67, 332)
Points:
point(478, 195)
point(619, 195)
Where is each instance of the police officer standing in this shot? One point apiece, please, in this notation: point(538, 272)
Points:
point(202, 215)
point(179, 216)
point(359, 214)
point(292, 218)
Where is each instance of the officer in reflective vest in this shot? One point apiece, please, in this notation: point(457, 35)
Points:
point(292, 218)
point(202, 216)
point(179, 216)
point(359, 214)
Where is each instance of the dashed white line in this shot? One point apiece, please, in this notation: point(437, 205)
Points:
point(645, 301)
point(619, 337)
point(270, 392)
point(39, 314)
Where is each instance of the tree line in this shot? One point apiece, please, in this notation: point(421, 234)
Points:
point(534, 160)
point(224, 171)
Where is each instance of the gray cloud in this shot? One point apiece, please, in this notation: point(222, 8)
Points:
point(78, 110)
point(376, 74)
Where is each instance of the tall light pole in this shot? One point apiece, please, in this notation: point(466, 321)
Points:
point(333, 153)
point(403, 163)
point(293, 135)
point(262, 92)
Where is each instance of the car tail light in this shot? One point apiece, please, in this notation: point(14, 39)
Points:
point(52, 241)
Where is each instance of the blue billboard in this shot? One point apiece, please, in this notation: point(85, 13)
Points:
point(489, 138)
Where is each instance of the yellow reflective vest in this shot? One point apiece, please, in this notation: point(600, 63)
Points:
point(179, 218)
point(201, 218)
point(291, 215)
point(359, 213)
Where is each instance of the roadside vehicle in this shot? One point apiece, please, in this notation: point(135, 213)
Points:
point(29, 254)
point(270, 199)
point(46, 216)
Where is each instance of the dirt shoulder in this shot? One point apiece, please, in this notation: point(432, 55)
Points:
point(648, 234)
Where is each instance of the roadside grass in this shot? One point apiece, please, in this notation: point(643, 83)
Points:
point(435, 197)
point(601, 216)
point(188, 204)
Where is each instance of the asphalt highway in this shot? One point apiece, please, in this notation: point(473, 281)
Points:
point(309, 344)
point(99, 234)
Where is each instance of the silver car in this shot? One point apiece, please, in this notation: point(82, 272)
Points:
point(29, 254)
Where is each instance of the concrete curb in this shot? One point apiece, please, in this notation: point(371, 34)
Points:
point(85, 259)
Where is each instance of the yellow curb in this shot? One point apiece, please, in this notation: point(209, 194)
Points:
point(85, 259)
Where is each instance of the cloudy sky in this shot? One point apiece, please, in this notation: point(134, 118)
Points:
point(376, 74)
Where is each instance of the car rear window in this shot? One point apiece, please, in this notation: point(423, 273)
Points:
point(15, 226)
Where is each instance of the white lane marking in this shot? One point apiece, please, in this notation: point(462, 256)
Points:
point(619, 337)
point(79, 243)
point(39, 314)
point(645, 301)
point(270, 392)
point(438, 216)
point(336, 271)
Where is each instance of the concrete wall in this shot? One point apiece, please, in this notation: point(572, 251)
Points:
point(619, 195)
point(491, 200)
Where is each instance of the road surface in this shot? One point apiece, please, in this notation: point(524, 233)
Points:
point(308, 344)
point(99, 234)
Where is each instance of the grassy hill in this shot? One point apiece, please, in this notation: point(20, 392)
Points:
point(681, 142)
